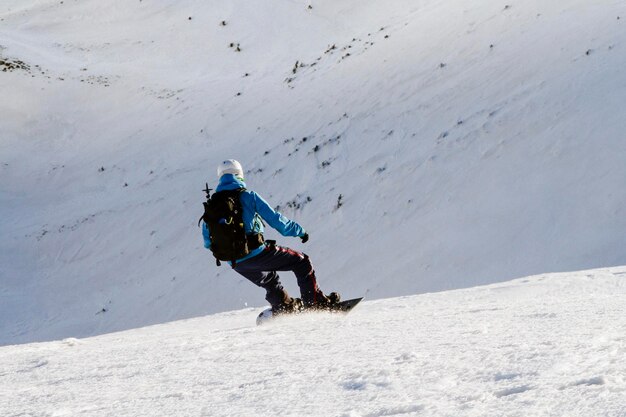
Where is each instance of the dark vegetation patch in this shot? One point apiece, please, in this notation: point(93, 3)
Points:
point(10, 65)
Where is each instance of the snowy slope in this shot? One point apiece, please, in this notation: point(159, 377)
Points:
point(548, 345)
point(470, 143)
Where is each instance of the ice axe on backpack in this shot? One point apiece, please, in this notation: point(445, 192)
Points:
point(207, 190)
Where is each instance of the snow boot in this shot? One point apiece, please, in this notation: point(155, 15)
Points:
point(324, 302)
point(291, 306)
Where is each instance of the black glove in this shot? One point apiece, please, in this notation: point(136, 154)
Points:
point(305, 237)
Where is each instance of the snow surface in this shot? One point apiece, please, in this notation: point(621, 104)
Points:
point(548, 345)
point(470, 142)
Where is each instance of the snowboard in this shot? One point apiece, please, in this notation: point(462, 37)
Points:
point(343, 307)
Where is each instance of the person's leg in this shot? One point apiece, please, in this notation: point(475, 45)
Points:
point(261, 270)
point(276, 295)
point(290, 260)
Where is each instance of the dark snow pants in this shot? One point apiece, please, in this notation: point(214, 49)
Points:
point(261, 270)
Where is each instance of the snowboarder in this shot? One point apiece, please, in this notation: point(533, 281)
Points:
point(262, 258)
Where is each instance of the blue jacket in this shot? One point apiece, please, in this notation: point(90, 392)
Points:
point(255, 208)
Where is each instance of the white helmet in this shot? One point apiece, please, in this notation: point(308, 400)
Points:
point(230, 166)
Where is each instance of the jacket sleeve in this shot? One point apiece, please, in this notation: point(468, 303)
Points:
point(206, 236)
point(279, 222)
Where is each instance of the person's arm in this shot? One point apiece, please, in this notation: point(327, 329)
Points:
point(276, 220)
point(206, 236)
